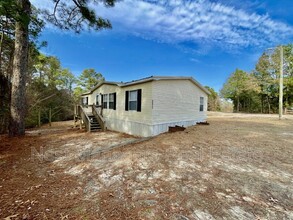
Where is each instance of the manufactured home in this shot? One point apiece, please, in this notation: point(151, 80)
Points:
point(145, 107)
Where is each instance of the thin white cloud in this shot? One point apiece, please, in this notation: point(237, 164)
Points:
point(200, 22)
point(194, 60)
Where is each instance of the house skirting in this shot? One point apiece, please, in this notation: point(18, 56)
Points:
point(145, 129)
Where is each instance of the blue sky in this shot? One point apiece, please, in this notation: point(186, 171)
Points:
point(205, 39)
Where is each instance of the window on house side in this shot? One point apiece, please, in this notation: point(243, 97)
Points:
point(201, 104)
point(111, 101)
point(85, 101)
point(132, 100)
point(105, 101)
point(97, 100)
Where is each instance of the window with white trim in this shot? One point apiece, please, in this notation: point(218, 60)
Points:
point(105, 101)
point(85, 100)
point(111, 101)
point(97, 100)
point(132, 100)
point(201, 104)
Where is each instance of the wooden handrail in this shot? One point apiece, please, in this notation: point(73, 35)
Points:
point(99, 117)
point(85, 118)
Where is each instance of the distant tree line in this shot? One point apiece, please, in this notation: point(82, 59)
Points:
point(258, 91)
point(51, 90)
point(216, 103)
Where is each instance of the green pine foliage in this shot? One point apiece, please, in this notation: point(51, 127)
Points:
point(214, 103)
point(86, 81)
point(258, 91)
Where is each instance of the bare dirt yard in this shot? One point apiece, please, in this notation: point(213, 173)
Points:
point(238, 167)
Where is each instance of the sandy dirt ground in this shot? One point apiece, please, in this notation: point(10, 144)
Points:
point(238, 167)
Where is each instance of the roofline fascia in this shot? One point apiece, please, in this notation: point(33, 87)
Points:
point(99, 85)
point(154, 78)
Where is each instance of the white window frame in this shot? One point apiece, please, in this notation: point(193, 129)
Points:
point(85, 101)
point(201, 104)
point(111, 95)
point(106, 100)
point(134, 100)
point(97, 99)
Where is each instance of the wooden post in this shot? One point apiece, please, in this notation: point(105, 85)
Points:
point(39, 118)
point(50, 117)
point(74, 116)
point(80, 118)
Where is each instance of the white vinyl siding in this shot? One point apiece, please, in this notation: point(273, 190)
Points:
point(176, 101)
point(143, 117)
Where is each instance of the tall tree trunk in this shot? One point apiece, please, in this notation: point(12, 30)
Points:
point(1, 42)
point(269, 105)
point(2, 91)
point(238, 104)
point(20, 63)
point(262, 105)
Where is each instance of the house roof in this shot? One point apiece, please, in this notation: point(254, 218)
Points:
point(148, 79)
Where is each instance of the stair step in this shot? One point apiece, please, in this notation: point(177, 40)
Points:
point(94, 123)
point(96, 126)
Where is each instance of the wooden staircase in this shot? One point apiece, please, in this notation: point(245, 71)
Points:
point(94, 124)
point(91, 121)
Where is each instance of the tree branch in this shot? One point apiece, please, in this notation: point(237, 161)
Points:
point(41, 100)
point(55, 112)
